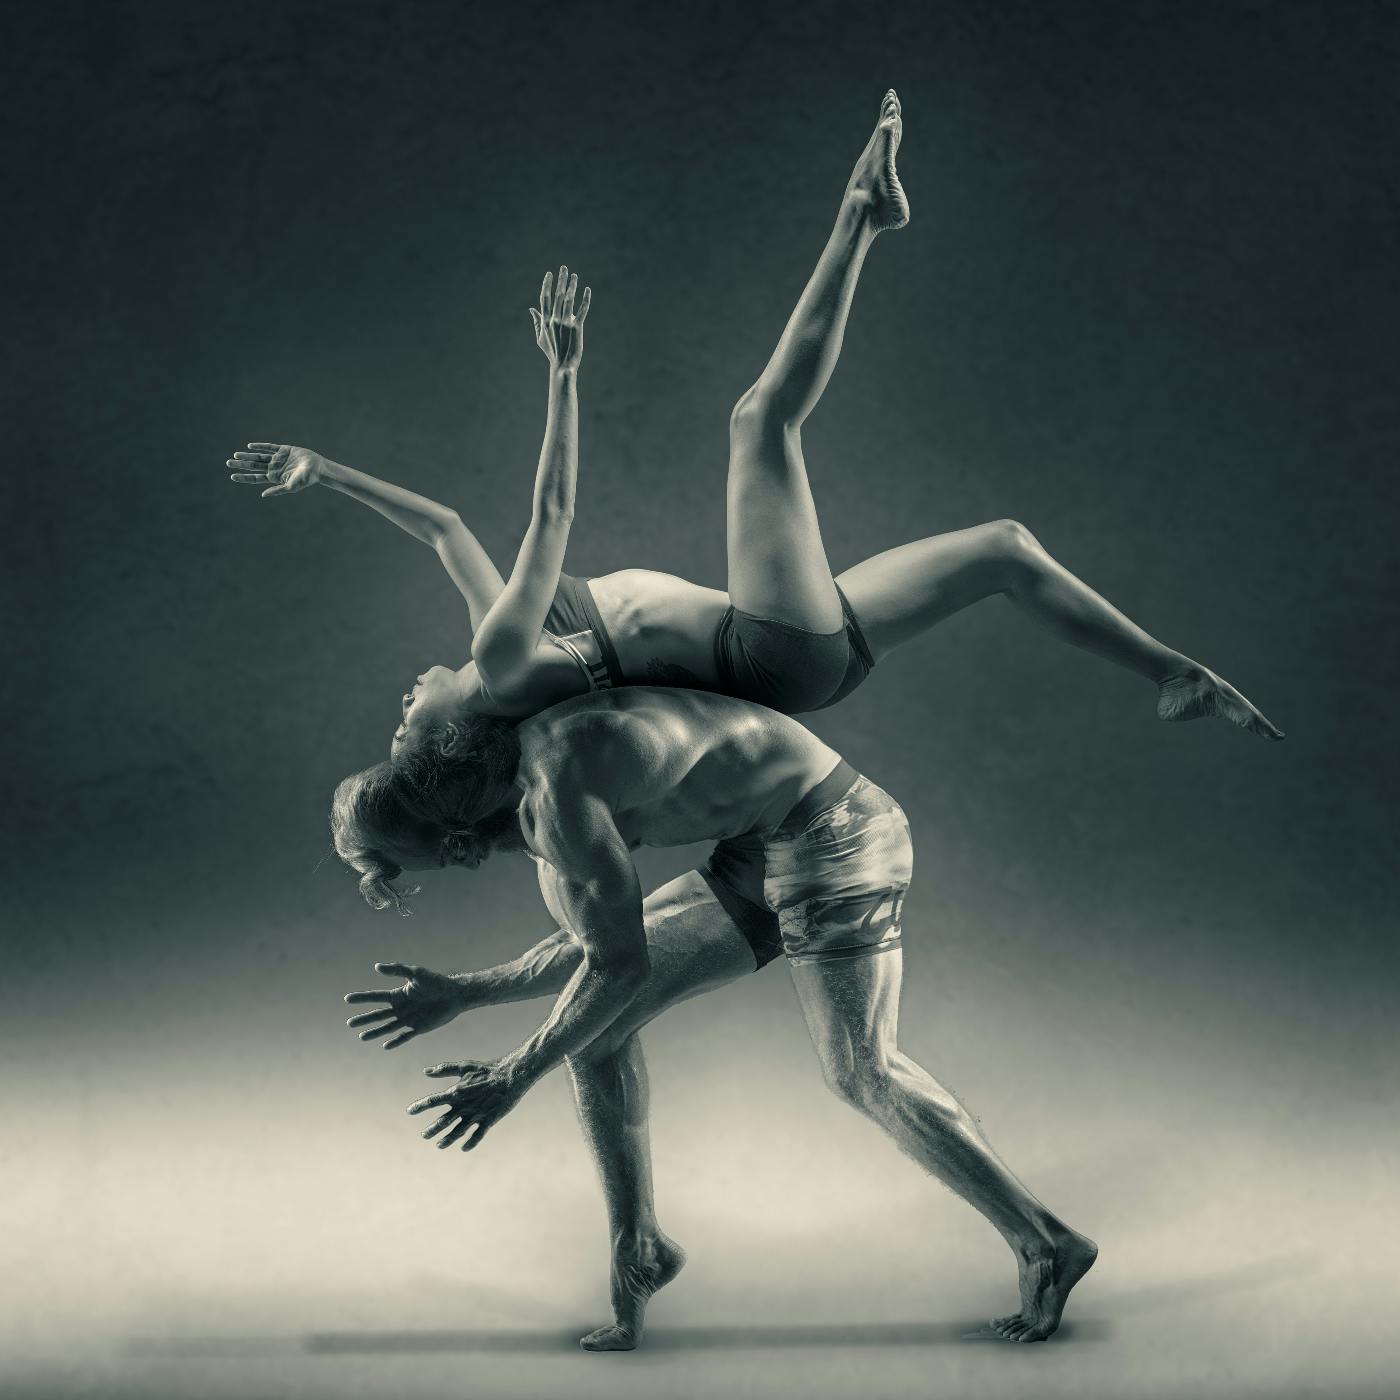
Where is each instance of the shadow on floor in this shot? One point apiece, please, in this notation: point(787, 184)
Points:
point(541, 1341)
point(1148, 1297)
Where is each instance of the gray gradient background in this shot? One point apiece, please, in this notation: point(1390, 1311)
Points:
point(1147, 305)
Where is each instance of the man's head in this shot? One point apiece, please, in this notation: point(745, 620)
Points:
point(447, 797)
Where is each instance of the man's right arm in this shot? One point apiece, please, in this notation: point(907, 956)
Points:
point(428, 1000)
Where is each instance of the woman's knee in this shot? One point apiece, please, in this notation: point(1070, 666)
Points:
point(758, 411)
point(1012, 548)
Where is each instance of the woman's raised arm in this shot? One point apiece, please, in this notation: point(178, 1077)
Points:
point(284, 470)
point(506, 640)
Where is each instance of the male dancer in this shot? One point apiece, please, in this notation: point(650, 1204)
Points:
point(801, 836)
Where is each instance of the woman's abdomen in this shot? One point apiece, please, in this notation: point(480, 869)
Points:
point(662, 627)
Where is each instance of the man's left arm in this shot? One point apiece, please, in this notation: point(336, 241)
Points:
point(600, 898)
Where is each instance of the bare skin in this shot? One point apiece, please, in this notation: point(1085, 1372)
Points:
point(667, 767)
point(663, 627)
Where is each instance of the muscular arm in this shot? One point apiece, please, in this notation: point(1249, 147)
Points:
point(428, 1000)
point(591, 884)
point(544, 970)
point(596, 889)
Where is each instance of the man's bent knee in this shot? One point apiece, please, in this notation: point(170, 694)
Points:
point(862, 1081)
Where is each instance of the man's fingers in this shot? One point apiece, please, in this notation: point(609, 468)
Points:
point(378, 1032)
point(378, 1014)
point(456, 1132)
point(434, 1129)
point(432, 1101)
point(584, 304)
point(457, 1067)
point(404, 970)
point(402, 1038)
point(385, 995)
point(481, 1131)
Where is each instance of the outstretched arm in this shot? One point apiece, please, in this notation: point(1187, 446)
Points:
point(506, 640)
point(284, 470)
point(595, 885)
point(428, 1000)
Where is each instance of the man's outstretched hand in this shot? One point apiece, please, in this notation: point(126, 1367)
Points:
point(426, 1001)
point(483, 1096)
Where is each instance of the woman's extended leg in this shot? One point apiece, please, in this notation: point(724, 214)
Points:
point(903, 592)
point(777, 563)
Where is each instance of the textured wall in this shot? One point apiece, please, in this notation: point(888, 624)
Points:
point(1147, 304)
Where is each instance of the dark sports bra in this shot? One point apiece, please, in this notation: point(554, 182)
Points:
point(575, 626)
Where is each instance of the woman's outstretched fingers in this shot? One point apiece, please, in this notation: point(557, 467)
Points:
point(584, 304)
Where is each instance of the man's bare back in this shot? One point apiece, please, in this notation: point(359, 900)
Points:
point(673, 766)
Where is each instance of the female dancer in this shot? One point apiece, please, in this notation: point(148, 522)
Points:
point(787, 634)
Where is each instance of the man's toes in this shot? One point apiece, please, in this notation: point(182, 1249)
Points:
point(609, 1339)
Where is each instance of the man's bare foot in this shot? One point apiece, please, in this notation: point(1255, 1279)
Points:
point(1196, 693)
point(636, 1275)
point(874, 183)
point(1045, 1285)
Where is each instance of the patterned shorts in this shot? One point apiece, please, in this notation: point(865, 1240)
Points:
point(834, 872)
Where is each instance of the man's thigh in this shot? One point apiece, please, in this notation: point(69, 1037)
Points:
point(693, 946)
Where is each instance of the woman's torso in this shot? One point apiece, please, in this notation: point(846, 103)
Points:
point(661, 627)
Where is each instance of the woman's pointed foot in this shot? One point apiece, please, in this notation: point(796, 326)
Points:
point(1196, 693)
point(875, 182)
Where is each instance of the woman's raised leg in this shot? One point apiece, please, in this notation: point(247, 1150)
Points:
point(777, 563)
point(903, 592)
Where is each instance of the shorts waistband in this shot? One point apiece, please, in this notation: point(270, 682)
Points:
point(830, 790)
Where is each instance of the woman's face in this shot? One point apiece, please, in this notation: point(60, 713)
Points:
point(433, 698)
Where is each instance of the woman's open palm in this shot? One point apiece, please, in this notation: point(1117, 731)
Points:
point(558, 328)
point(282, 469)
